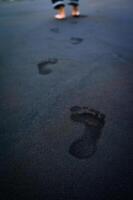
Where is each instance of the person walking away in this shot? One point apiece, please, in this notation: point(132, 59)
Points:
point(59, 5)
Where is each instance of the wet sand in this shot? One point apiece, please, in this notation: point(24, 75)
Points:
point(46, 68)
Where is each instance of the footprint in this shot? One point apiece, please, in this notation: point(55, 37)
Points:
point(76, 40)
point(42, 66)
point(55, 30)
point(94, 121)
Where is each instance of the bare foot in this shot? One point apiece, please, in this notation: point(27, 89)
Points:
point(75, 11)
point(61, 13)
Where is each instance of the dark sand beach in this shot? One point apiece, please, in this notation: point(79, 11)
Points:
point(57, 78)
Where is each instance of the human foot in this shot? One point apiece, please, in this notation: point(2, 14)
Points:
point(61, 13)
point(75, 11)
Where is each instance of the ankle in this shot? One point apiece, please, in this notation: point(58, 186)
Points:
point(61, 10)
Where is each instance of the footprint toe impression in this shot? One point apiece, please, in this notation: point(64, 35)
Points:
point(94, 121)
point(89, 117)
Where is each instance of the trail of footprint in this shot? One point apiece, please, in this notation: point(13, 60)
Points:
point(43, 66)
point(94, 121)
point(76, 40)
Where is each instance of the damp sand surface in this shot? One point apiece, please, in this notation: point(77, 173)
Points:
point(58, 81)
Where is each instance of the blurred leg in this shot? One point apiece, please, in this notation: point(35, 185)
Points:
point(74, 2)
point(57, 3)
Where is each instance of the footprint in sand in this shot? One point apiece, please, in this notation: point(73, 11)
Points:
point(55, 30)
point(76, 40)
point(43, 66)
point(94, 121)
